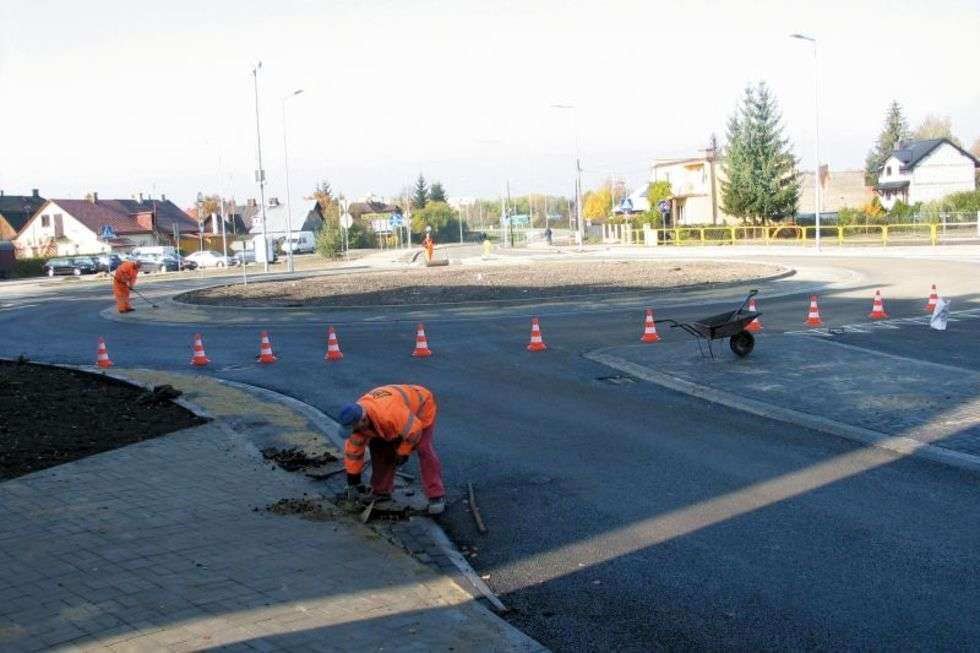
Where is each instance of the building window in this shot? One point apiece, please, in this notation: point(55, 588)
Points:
point(888, 171)
point(45, 221)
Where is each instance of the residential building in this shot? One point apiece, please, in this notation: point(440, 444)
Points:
point(635, 202)
point(276, 220)
point(922, 171)
point(16, 210)
point(696, 186)
point(838, 189)
point(64, 227)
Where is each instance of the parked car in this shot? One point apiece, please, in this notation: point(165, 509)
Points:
point(301, 242)
point(106, 262)
point(157, 263)
point(209, 258)
point(76, 265)
point(246, 256)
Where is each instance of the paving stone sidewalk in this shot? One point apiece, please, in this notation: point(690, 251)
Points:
point(159, 546)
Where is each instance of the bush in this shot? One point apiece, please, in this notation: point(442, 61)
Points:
point(28, 267)
point(441, 217)
point(330, 242)
point(966, 201)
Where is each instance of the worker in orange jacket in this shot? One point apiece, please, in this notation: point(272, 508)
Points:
point(123, 282)
point(393, 421)
point(429, 244)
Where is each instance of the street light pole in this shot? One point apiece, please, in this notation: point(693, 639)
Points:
point(816, 132)
point(260, 173)
point(289, 214)
point(580, 228)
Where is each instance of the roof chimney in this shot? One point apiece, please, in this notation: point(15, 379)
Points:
point(34, 192)
point(163, 198)
point(141, 198)
point(93, 197)
point(273, 201)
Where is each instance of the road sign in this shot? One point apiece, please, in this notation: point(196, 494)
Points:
point(663, 206)
point(346, 221)
point(626, 205)
point(106, 232)
point(395, 221)
point(380, 226)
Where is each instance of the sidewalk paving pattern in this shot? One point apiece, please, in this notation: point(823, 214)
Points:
point(159, 546)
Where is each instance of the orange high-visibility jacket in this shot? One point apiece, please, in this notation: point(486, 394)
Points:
point(396, 412)
point(126, 273)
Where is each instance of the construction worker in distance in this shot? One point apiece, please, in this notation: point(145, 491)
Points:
point(428, 244)
point(123, 282)
point(392, 421)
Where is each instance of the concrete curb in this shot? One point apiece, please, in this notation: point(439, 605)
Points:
point(894, 444)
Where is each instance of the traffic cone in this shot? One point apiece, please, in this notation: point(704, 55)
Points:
point(813, 317)
point(649, 328)
point(265, 350)
point(102, 355)
point(536, 344)
point(933, 298)
point(755, 325)
point(878, 308)
point(421, 344)
point(333, 347)
point(199, 359)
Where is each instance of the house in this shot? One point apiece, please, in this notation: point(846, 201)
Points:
point(696, 186)
point(838, 189)
point(371, 206)
point(922, 171)
point(276, 220)
point(64, 227)
point(15, 211)
point(635, 202)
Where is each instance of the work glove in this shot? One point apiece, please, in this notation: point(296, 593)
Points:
point(401, 460)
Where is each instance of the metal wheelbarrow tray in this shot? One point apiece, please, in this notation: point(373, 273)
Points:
point(731, 325)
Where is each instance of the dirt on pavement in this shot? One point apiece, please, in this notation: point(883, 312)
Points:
point(50, 416)
point(470, 283)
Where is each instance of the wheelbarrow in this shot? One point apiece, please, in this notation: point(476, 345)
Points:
point(729, 325)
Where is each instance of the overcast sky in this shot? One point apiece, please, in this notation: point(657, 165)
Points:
point(123, 97)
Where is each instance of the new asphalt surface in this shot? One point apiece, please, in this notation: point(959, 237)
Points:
point(624, 516)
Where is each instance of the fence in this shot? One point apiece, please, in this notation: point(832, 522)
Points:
point(931, 233)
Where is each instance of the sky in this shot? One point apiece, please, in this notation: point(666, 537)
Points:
point(127, 97)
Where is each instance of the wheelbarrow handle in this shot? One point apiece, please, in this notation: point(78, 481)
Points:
point(752, 293)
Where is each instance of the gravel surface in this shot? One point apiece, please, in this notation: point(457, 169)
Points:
point(481, 283)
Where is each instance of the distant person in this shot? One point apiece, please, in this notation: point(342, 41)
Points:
point(123, 282)
point(393, 421)
point(547, 235)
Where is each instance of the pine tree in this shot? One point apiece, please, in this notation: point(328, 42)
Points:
point(437, 193)
point(421, 196)
point(895, 131)
point(762, 182)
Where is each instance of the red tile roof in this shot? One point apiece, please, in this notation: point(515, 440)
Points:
point(121, 215)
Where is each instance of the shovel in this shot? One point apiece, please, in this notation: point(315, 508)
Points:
point(143, 297)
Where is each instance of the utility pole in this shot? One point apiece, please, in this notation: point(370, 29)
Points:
point(816, 133)
point(260, 173)
point(289, 215)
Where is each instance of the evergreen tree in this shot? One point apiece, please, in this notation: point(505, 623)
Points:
point(421, 196)
point(437, 193)
point(895, 131)
point(762, 182)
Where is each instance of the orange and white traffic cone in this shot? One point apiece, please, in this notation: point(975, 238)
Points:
point(102, 355)
point(333, 347)
point(537, 343)
point(265, 350)
point(933, 298)
point(755, 325)
point(199, 359)
point(878, 308)
point(649, 328)
point(813, 317)
point(421, 344)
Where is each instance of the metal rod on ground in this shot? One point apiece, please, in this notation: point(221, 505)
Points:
point(475, 511)
point(143, 297)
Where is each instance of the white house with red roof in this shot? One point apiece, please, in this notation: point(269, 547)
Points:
point(65, 227)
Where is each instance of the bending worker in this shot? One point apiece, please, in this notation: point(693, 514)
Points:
point(428, 244)
point(393, 421)
point(123, 282)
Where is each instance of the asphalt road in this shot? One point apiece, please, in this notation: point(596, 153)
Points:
point(624, 516)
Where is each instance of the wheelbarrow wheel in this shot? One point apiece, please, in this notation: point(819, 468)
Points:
point(742, 343)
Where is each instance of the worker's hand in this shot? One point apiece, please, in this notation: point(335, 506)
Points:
point(401, 460)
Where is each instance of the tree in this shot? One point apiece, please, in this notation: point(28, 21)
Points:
point(596, 204)
point(763, 184)
point(330, 238)
point(657, 192)
point(895, 131)
point(421, 196)
point(441, 217)
point(935, 127)
point(437, 193)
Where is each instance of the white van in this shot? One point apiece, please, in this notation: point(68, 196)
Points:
point(301, 242)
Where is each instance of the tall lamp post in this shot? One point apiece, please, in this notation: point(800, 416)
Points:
point(816, 131)
point(285, 156)
point(578, 172)
point(260, 173)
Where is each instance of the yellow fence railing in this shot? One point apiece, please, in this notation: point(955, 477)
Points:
point(884, 234)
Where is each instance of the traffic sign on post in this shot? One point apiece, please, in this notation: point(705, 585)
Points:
point(346, 221)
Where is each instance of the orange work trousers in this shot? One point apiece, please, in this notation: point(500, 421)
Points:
point(121, 291)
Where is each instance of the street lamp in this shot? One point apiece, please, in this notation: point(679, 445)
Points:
point(260, 173)
point(578, 172)
point(285, 155)
point(816, 131)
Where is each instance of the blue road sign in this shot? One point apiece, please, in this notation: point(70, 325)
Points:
point(106, 232)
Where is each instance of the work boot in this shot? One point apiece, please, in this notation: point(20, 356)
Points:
point(437, 506)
